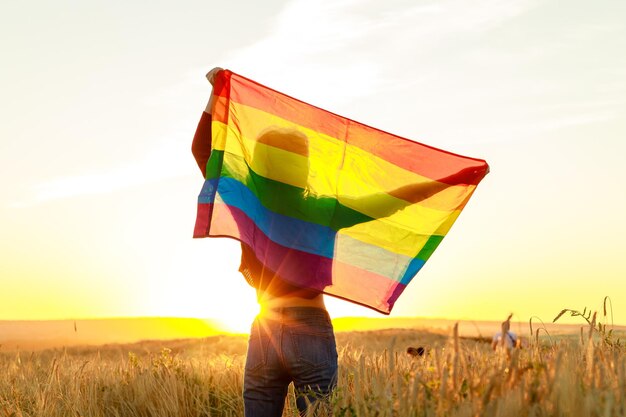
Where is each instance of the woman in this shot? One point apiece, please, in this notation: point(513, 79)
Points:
point(292, 339)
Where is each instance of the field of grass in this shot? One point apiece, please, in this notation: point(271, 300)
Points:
point(579, 376)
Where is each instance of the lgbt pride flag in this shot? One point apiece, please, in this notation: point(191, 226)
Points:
point(324, 202)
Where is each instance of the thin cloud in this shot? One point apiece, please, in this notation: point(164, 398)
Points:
point(360, 48)
point(440, 64)
point(141, 172)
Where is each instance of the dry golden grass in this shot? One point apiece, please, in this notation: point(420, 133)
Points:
point(456, 377)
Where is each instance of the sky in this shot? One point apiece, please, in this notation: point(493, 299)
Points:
point(101, 100)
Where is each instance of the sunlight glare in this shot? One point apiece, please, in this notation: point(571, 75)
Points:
point(240, 319)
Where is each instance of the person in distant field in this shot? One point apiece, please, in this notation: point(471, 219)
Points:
point(510, 340)
point(292, 340)
point(505, 337)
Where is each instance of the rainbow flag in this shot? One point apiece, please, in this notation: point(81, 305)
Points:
point(324, 202)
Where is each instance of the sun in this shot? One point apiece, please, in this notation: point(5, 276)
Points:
point(238, 320)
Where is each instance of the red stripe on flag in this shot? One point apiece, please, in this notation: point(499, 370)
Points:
point(430, 162)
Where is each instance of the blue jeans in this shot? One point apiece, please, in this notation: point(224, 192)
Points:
point(289, 344)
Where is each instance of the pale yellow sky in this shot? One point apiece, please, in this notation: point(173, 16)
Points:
point(101, 100)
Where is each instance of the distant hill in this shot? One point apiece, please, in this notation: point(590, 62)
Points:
point(466, 327)
point(37, 335)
